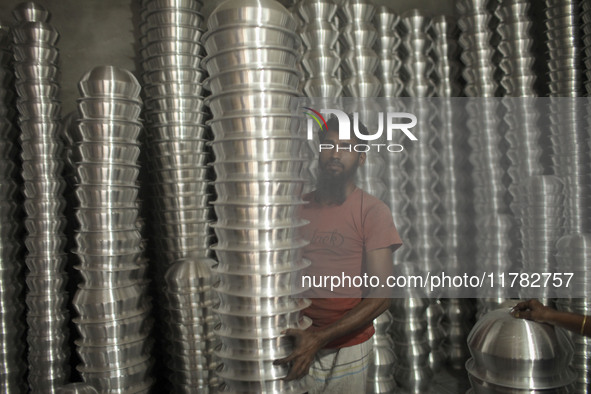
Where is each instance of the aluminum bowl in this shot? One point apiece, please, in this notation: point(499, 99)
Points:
point(31, 89)
point(171, 61)
point(108, 303)
point(238, 386)
point(383, 361)
point(42, 169)
point(96, 279)
point(39, 246)
point(416, 379)
point(250, 369)
point(106, 196)
point(239, 35)
point(278, 190)
point(35, 33)
point(182, 189)
point(37, 53)
point(257, 148)
point(171, 149)
point(38, 129)
point(262, 56)
point(118, 379)
point(246, 77)
point(267, 305)
point(241, 170)
point(258, 237)
point(114, 331)
point(39, 264)
point(173, 89)
point(115, 355)
point(39, 108)
point(246, 102)
point(519, 353)
point(174, 16)
point(173, 32)
point(256, 126)
point(188, 242)
point(76, 388)
point(112, 109)
point(265, 13)
point(109, 242)
point(30, 11)
point(178, 132)
point(256, 214)
point(183, 175)
point(174, 75)
point(114, 174)
point(165, 118)
point(33, 150)
point(107, 219)
point(181, 215)
point(108, 131)
point(322, 87)
point(46, 303)
point(320, 33)
point(481, 386)
point(31, 70)
point(157, 5)
point(117, 153)
point(360, 34)
point(321, 61)
point(43, 227)
point(179, 229)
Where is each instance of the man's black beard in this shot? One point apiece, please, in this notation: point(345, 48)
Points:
point(332, 188)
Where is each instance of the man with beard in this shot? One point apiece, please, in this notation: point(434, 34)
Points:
point(350, 233)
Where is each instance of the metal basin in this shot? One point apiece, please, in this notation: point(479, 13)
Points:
point(166, 118)
point(262, 56)
point(256, 214)
point(115, 303)
point(174, 89)
point(109, 81)
point(46, 303)
point(89, 152)
point(246, 77)
point(107, 131)
point(276, 190)
point(172, 61)
point(178, 132)
point(115, 355)
point(239, 35)
point(35, 32)
point(257, 148)
point(40, 246)
point(108, 242)
point(96, 279)
point(114, 174)
point(118, 379)
point(43, 168)
point(33, 150)
point(38, 53)
point(115, 109)
point(30, 12)
point(114, 331)
point(174, 16)
point(267, 305)
point(272, 348)
point(156, 5)
point(109, 262)
point(31, 88)
point(262, 12)
point(241, 170)
point(173, 32)
point(174, 148)
point(256, 126)
point(39, 108)
point(183, 215)
point(42, 227)
point(182, 175)
point(173, 75)
point(519, 353)
point(250, 369)
point(258, 237)
point(107, 196)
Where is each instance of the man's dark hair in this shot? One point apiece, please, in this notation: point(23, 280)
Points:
point(332, 124)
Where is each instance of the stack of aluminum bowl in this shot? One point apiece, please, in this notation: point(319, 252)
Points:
point(12, 306)
point(409, 332)
point(320, 61)
point(573, 255)
point(251, 61)
point(114, 313)
point(380, 377)
point(359, 61)
point(489, 176)
point(175, 154)
point(190, 325)
point(512, 355)
point(386, 47)
point(175, 127)
point(586, 21)
point(460, 314)
point(542, 224)
point(36, 58)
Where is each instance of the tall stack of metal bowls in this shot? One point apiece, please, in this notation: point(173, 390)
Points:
point(573, 253)
point(12, 306)
point(494, 226)
point(409, 331)
point(113, 311)
point(571, 158)
point(586, 21)
point(459, 312)
point(251, 61)
point(542, 224)
point(380, 377)
point(39, 116)
point(175, 158)
point(518, 356)
point(320, 61)
point(175, 128)
point(359, 61)
point(190, 324)
point(386, 47)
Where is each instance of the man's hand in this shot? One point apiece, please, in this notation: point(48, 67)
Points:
point(306, 345)
point(532, 310)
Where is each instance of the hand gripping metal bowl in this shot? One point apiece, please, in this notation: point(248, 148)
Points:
point(519, 353)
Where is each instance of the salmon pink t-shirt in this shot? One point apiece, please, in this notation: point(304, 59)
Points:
point(337, 234)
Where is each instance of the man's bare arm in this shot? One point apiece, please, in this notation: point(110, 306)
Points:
point(308, 343)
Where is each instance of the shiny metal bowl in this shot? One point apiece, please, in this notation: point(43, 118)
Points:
point(76, 388)
point(165, 118)
point(109, 81)
point(277, 190)
point(90, 152)
point(173, 89)
point(42, 169)
point(171, 61)
point(258, 237)
point(39, 246)
point(183, 175)
point(36, 33)
point(246, 77)
point(115, 355)
point(114, 174)
point(178, 132)
point(182, 215)
point(101, 196)
point(118, 379)
point(32, 88)
point(108, 242)
point(256, 126)
point(108, 303)
point(519, 353)
point(239, 35)
point(263, 56)
point(36, 53)
point(29, 11)
point(173, 32)
point(246, 102)
point(261, 386)
point(174, 75)
point(107, 219)
point(43, 227)
point(481, 386)
point(262, 12)
point(250, 369)
point(257, 148)
point(256, 214)
point(321, 61)
point(241, 170)
point(95, 279)
point(107, 131)
point(38, 108)
point(114, 109)
point(174, 16)
point(109, 262)
point(45, 304)
point(267, 305)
